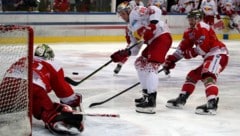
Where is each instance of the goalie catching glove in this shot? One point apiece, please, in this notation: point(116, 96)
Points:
point(120, 55)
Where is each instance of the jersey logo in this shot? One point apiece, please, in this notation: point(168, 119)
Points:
point(201, 39)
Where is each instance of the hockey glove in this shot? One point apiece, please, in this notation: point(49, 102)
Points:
point(169, 63)
point(190, 53)
point(120, 55)
point(149, 32)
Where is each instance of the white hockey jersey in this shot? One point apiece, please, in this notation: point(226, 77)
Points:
point(141, 17)
point(209, 8)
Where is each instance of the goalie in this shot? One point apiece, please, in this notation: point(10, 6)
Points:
point(60, 118)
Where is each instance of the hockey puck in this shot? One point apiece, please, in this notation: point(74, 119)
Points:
point(75, 73)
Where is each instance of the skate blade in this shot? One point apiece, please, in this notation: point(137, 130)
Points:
point(146, 110)
point(137, 102)
point(171, 106)
point(202, 112)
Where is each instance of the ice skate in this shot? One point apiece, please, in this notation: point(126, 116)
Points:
point(148, 105)
point(210, 108)
point(179, 102)
point(142, 99)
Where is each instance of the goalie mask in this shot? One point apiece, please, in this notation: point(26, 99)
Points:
point(44, 51)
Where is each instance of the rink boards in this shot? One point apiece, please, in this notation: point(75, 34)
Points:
point(92, 27)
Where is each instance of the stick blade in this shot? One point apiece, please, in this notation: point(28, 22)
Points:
point(70, 81)
point(94, 104)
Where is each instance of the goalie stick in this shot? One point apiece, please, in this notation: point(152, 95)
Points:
point(104, 101)
point(75, 83)
point(96, 114)
point(101, 115)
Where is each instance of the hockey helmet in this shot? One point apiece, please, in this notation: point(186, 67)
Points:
point(124, 6)
point(44, 51)
point(157, 3)
point(197, 14)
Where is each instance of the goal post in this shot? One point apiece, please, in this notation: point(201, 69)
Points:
point(16, 56)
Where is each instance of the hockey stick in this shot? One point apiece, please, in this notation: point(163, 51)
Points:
point(101, 115)
point(75, 83)
point(96, 114)
point(102, 102)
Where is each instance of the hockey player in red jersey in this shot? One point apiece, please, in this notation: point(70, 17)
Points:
point(199, 39)
point(145, 24)
point(47, 77)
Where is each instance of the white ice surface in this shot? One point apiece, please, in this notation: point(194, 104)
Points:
point(85, 58)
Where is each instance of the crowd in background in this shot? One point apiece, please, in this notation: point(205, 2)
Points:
point(168, 6)
point(56, 5)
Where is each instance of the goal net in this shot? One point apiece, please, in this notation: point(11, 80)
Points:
point(16, 52)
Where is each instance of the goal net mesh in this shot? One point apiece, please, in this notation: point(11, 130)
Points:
point(16, 50)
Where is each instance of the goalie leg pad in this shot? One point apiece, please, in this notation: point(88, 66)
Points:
point(70, 118)
point(61, 128)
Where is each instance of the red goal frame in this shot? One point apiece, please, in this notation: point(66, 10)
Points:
point(30, 33)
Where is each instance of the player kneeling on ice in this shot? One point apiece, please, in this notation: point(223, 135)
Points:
point(144, 24)
point(215, 60)
point(61, 118)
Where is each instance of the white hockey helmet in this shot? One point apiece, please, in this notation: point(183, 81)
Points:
point(44, 51)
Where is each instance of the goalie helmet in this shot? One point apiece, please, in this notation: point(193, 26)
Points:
point(124, 6)
point(197, 14)
point(44, 51)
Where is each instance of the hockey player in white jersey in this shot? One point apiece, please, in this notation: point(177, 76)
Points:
point(132, 4)
point(144, 24)
point(209, 8)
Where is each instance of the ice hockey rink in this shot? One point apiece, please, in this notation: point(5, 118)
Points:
point(85, 58)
